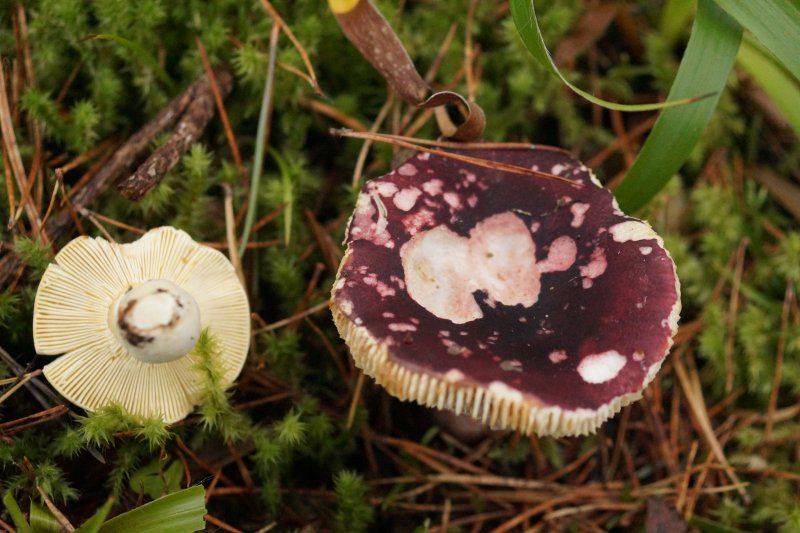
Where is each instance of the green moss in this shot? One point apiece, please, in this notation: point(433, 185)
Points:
point(353, 512)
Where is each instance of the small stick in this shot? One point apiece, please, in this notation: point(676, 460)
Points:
point(252, 245)
point(776, 380)
point(22, 381)
point(351, 413)
point(186, 132)
point(70, 207)
point(362, 154)
point(57, 514)
point(331, 112)
point(35, 419)
point(12, 204)
point(12, 150)
point(52, 200)
point(294, 318)
point(116, 223)
point(229, 234)
point(88, 214)
point(223, 115)
point(300, 50)
point(469, 75)
point(87, 176)
point(496, 165)
point(222, 525)
point(733, 307)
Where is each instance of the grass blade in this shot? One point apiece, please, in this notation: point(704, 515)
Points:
point(180, 511)
point(775, 81)
point(95, 522)
point(16, 513)
point(705, 67)
point(524, 14)
point(776, 23)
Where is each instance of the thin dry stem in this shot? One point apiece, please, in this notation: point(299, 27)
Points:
point(496, 165)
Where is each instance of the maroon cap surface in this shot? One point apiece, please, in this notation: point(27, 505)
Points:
point(527, 302)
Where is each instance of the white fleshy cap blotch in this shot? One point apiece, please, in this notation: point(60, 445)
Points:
point(74, 303)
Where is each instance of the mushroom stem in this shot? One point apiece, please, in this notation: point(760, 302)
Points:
point(156, 321)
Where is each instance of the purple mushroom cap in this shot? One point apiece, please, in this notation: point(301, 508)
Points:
point(527, 302)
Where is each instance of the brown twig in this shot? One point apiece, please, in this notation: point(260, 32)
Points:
point(223, 114)
point(300, 50)
point(733, 309)
point(188, 129)
point(294, 318)
point(776, 380)
point(486, 163)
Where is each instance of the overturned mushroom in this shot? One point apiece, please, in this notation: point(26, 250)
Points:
point(525, 302)
point(126, 317)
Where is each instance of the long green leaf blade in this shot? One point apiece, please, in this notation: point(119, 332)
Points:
point(16, 513)
point(95, 522)
point(705, 67)
point(776, 82)
point(776, 23)
point(180, 511)
point(42, 520)
point(524, 14)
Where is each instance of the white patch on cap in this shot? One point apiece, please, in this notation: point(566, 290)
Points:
point(595, 268)
point(556, 356)
point(557, 169)
point(503, 259)
point(470, 176)
point(645, 250)
point(452, 199)
point(511, 365)
point(578, 211)
point(362, 226)
point(405, 199)
point(472, 201)
point(346, 306)
point(433, 262)
point(560, 256)
point(433, 187)
point(385, 188)
point(502, 256)
point(632, 230)
point(453, 375)
point(383, 289)
point(501, 390)
point(407, 170)
point(416, 221)
point(400, 326)
point(424, 156)
point(387, 314)
point(601, 367)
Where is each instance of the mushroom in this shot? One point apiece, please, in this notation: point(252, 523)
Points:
point(126, 317)
point(528, 303)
